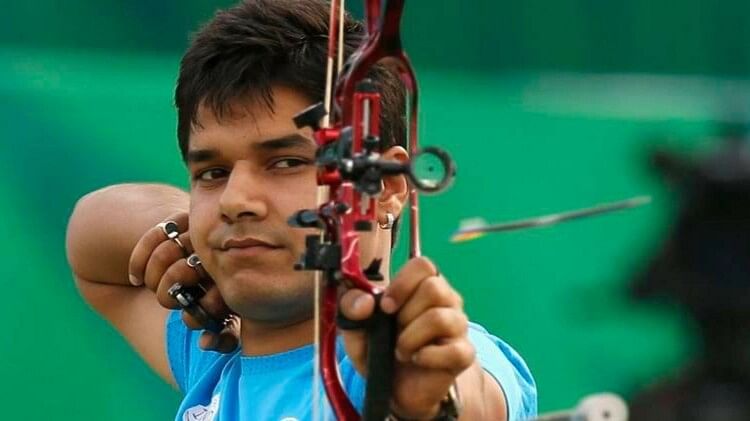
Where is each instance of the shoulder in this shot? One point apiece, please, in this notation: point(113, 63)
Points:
point(509, 369)
point(187, 361)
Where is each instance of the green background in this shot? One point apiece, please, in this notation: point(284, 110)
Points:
point(545, 105)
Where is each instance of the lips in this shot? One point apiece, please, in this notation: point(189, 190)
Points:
point(246, 247)
point(244, 243)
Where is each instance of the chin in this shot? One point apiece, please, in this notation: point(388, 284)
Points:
point(268, 297)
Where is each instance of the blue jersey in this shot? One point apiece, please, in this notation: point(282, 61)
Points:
point(278, 387)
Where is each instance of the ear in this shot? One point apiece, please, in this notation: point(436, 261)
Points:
point(395, 187)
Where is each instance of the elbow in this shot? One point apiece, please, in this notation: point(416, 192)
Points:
point(79, 236)
point(75, 232)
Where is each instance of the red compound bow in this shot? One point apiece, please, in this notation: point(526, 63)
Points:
point(350, 174)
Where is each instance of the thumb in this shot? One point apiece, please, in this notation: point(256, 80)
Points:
point(357, 306)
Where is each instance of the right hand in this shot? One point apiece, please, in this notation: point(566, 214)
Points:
point(158, 263)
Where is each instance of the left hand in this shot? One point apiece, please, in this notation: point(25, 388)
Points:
point(432, 347)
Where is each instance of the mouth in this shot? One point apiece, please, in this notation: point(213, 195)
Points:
point(246, 247)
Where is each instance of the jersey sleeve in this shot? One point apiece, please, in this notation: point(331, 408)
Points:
point(507, 367)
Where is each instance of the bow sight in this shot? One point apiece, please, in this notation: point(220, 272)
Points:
point(430, 170)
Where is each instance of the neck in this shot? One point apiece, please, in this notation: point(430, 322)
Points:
point(264, 338)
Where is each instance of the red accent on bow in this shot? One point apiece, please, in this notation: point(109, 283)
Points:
point(350, 166)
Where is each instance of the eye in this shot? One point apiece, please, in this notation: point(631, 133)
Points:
point(285, 163)
point(210, 174)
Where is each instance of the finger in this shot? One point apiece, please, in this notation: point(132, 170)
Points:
point(145, 246)
point(229, 338)
point(214, 307)
point(356, 305)
point(162, 258)
point(180, 272)
point(208, 340)
point(226, 341)
point(141, 254)
point(454, 356)
point(434, 291)
point(405, 283)
point(436, 325)
point(214, 304)
point(185, 240)
point(190, 321)
point(182, 242)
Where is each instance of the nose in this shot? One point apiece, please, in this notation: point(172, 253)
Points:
point(243, 196)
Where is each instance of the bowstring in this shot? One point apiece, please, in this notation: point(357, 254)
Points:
point(323, 192)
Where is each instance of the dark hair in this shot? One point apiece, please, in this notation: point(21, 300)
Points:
point(246, 50)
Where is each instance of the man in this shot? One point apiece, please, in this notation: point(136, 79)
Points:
point(244, 77)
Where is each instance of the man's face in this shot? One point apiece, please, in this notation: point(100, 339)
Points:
point(249, 173)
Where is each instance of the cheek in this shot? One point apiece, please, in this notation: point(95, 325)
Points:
point(200, 225)
point(287, 202)
point(291, 197)
point(296, 204)
point(300, 190)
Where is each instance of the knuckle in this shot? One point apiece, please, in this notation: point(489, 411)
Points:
point(179, 271)
point(437, 291)
point(462, 322)
point(440, 318)
point(431, 287)
point(404, 345)
point(185, 238)
point(426, 264)
point(174, 274)
point(159, 286)
point(349, 297)
point(168, 277)
point(465, 354)
point(160, 257)
point(458, 299)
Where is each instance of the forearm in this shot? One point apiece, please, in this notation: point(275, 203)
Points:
point(481, 396)
point(106, 224)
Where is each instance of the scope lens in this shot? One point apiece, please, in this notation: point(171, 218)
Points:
point(431, 169)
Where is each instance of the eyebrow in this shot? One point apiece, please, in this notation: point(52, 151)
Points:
point(283, 142)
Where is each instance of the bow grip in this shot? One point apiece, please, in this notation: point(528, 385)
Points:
point(381, 346)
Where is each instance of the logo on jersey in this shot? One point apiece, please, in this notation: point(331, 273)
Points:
point(203, 413)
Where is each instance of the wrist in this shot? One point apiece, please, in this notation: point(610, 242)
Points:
point(449, 409)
